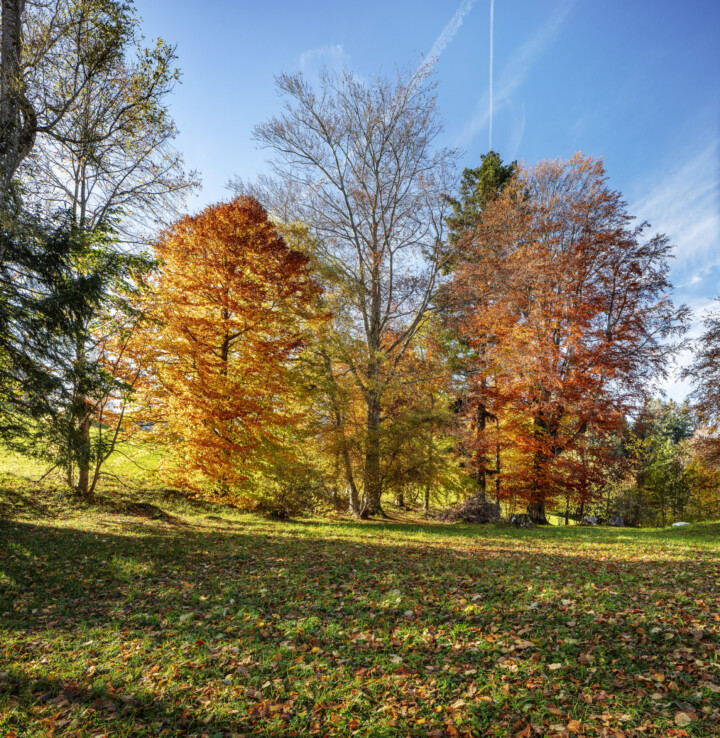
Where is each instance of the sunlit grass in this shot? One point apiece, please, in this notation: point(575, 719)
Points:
point(211, 622)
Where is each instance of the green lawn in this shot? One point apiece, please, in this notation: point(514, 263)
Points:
point(130, 465)
point(203, 622)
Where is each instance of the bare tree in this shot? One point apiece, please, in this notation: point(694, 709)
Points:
point(40, 79)
point(112, 153)
point(370, 184)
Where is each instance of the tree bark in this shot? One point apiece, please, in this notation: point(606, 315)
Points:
point(536, 503)
point(372, 483)
point(18, 121)
point(536, 511)
point(481, 460)
point(83, 482)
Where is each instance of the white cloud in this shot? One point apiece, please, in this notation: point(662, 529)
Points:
point(514, 74)
point(675, 387)
point(685, 204)
point(324, 56)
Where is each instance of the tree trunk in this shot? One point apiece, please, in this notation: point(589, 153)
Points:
point(567, 511)
point(497, 460)
point(372, 483)
point(426, 499)
point(400, 500)
point(353, 501)
point(536, 504)
point(82, 416)
point(481, 460)
point(481, 483)
point(17, 118)
point(536, 511)
point(83, 456)
point(10, 76)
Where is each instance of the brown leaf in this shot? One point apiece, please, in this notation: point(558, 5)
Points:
point(574, 726)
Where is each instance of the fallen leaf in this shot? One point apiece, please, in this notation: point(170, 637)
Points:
point(682, 719)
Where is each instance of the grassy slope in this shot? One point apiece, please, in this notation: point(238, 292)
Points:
point(209, 623)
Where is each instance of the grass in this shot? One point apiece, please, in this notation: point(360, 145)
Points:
point(185, 619)
point(132, 465)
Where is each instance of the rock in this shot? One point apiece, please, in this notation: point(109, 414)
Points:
point(617, 521)
point(521, 520)
point(589, 520)
point(679, 525)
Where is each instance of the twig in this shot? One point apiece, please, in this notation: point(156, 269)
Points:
point(46, 473)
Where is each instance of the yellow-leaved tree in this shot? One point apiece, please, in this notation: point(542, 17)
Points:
point(225, 318)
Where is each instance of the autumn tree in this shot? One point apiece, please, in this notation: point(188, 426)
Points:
point(477, 427)
point(571, 306)
point(109, 158)
point(418, 443)
point(368, 182)
point(704, 373)
point(225, 318)
point(660, 453)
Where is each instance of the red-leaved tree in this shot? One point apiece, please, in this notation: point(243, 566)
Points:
point(569, 308)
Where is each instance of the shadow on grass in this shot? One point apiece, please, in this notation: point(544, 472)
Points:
point(98, 578)
point(72, 706)
point(154, 592)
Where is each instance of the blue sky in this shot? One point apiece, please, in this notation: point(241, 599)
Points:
point(634, 81)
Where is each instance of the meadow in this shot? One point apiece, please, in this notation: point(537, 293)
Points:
point(148, 614)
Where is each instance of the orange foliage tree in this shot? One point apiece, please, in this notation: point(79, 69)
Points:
point(569, 308)
point(225, 319)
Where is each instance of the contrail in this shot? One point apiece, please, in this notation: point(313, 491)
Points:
point(516, 70)
point(492, 21)
point(447, 34)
